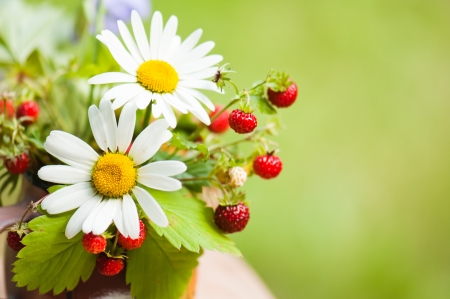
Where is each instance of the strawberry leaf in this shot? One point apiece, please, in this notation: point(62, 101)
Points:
point(50, 260)
point(182, 144)
point(191, 223)
point(159, 270)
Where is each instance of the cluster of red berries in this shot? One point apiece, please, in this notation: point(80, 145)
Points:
point(245, 122)
point(108, 264)
point(28, 110)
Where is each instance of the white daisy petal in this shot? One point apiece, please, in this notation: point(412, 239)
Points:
point(129, 42)
point(156, 31)
point(123, 98)
point(200, 84)
point(130, 217)
point(122, 57)
point(199, 64)
point(176, 42)
point(189, 43)
point(197, 53)
point(68, 198)
point(140, 35)
point(118, 90)
point(151, 207)
point(176, 103)
point(62, 174)
point(118, 218)
point(203, 74)
point(125, 130)
point(112, 77)
point(76, 221)
point(88, 223)
point(167, 37)
point(156, 110)
point(166, 168)
point(143, 100)
point(198, 110)
point(75, 145)
point(160, 182)
point(110, 122)
point(59, 151)
point(199, 96)
point(104, 217)
point(168, 113)
point(149, 141)
point(98, 127)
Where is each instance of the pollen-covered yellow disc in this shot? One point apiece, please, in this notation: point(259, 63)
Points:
point(157, 76)
point(114, 175)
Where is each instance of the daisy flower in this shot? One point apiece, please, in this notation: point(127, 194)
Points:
point(162, 69)
point(102, 184)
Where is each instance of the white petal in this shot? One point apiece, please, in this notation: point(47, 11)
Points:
point(176, 103)
point(199, 111)
point(112, 77)
point(88, 223)
point(125, 130)
point(130, 217)
point(149, 141)
point(110, 124)
point(118, 90)
point(62, 174)
point(104, 217)
point(159, 182)
point(143, 99)
point(59, 151)
point(199, 64)
point(98, 127)
point(195, 54)
point(156, 31)
point(76, 221)
point(118, 218)
point(167, 168)
point(68, 198)
point(131, 93)
point(200, 84)
point(122, 57)
point(151, 207)
point(197, 95)
point(189, 43)
point(176, 41)
point(168, 113)
point(140, 36)
point(167, 37)
point(129, 42)
point(156, 110)
point(203, 74)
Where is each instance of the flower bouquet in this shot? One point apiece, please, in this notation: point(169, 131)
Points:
point(140, 176)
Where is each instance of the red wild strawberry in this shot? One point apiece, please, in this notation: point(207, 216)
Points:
point(285, 98)
point(232, 218)
point(16, 234)
point(18, 164)
point(267, 166)
point(220, 124)
point(109, 266)
point(94, 243)
point(7, 107)
point(242, 122)
point(128, 243)
point(29, 109)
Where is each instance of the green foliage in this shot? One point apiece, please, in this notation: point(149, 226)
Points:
point(191, 224)
point(197, 170)
point(50, 260)
point(159, 270)
point(183, 144)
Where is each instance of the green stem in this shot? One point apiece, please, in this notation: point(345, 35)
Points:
point(235, 87)
point(148, 114)
point(115, 242)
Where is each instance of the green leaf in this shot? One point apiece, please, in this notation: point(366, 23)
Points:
point(191, 223)
point(55, 188)
point(159, 270)
point(263, 105)
point(183, 144)
point(50, 260)
point(197, 170)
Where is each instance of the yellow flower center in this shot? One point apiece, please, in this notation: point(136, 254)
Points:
point(157, 76)
point(114, 175)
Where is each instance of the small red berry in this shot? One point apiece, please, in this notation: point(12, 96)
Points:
point(128, 243)
point(220, 124)
point(267, 166)
point(29, 109)
point(15, 241)
point(94, 243)
point(18, 164)
point(283, 98)
point(109, 266)
point(232, 218)
point(242, 122)
point(7, 105)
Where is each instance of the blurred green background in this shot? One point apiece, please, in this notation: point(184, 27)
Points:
point(361, 209)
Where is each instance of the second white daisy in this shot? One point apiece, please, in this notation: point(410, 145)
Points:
point(162, 69)
point(102, 185)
